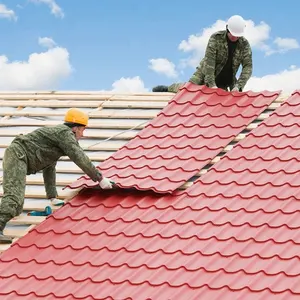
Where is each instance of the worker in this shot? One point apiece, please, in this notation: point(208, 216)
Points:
point(40, 151)
point(225, 52)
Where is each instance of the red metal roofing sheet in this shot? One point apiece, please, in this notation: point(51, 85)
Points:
point(138, 245)
point(185, 136)
point(233, 235)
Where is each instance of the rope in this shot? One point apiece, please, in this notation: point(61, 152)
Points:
point(115, 135)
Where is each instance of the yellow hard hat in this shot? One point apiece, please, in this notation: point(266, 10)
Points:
point(74, 115)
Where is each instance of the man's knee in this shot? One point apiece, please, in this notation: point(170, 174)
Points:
point(10, 207)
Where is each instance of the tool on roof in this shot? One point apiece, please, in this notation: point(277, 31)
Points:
point(46, 212)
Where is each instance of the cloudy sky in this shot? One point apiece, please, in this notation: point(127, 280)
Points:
point(133, 45)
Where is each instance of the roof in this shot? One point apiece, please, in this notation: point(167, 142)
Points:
point(185, 136)
point(112, 119)
point(232, 234)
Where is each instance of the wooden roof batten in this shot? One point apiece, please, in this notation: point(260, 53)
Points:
point(114, 120)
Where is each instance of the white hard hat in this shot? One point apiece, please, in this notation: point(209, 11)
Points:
point(236, 25)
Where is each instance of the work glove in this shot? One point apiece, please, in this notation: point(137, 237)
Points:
point(106, 183)
point(235, 89)
point(57, 202)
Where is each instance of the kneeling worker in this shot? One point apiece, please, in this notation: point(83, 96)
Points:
point(226, 51)
point(39, 151)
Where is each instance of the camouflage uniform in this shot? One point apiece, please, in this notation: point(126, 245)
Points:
point(33, 152)
point(215, 59)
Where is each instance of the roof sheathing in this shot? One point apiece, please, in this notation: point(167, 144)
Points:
point(115, 119)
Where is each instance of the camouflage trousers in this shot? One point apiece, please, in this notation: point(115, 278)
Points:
point(14, 183)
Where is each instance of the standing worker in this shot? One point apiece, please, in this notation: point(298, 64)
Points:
point(40, 151)
point(225, 52)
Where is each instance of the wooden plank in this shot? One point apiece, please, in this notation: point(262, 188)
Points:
point(27, 220)
point(40, 194)
point(38, 205)
point(33, 114)
point(79, 92)
point(282, 98)
point(38, 97)
point(88, 96)
point(4, 247)
point(146, 98)
point(106, 146)
point(92, 124)
point(96, 158)
point(15, 232)
point(68, 171)
point(51, 104)
point(102, 134)
point(128, 104)
point(82, 104)
point(252, 126)
point(128, 114)
point(38, 181)
point(98, 146)
point(274, 105)
point(19, 108)
point(117, 114)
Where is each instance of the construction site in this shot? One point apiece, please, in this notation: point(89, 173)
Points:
point(206, 203)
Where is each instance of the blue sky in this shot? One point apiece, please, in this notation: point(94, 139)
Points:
point(105, 40)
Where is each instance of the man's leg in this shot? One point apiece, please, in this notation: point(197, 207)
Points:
point(14, 182)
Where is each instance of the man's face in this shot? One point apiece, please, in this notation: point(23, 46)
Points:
point(78, 132)
point(232, 37)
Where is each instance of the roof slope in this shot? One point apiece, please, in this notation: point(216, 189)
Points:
point(114, 119)
point(186, 135)
point(232, 235)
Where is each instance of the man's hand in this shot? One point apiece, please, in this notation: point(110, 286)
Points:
point(106, 183)
point(235, 89)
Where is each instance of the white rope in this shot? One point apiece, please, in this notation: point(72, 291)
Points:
point(115, 135)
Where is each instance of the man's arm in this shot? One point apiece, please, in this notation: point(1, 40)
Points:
point(209, 65)
point(246, 67)
point(72, 149)
point(49, 175)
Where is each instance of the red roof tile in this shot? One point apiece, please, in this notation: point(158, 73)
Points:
point(185, 136)
point(233, 235)
point(137, 245)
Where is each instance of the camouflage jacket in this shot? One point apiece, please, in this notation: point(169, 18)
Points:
point(44, 146)
point(215, 59)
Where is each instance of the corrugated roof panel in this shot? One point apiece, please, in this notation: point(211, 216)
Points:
point(233, 235)
point(186, 135)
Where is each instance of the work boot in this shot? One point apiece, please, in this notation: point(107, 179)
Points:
point(160, 88)
point(5, 239)
point(57, 202)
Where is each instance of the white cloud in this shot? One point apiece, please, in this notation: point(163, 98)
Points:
point(55, 9)
point(286, 44)
point(7, 13)
point(163, 66)
point(41, 71)
point(286, 80)
point(283, 45)
point(47, 42)
point(129, 85)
